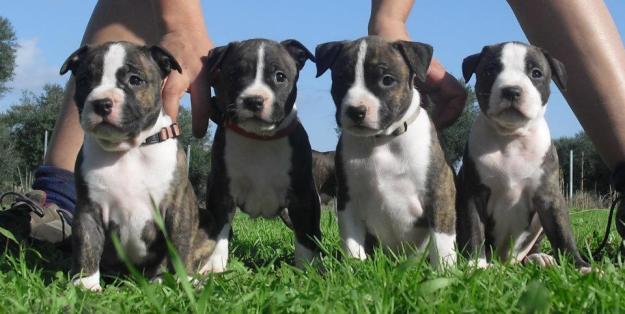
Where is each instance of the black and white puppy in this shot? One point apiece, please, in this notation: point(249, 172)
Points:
point(394, 186)
point(130, 166)
point(261, 158)
point(508, 187)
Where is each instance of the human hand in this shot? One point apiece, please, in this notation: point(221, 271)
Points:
point(448, 95)
point(388, 20)
point(188, 47)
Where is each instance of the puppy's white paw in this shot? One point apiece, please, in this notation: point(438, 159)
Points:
point(586, 270)
point(91, 282)
point(355, 250)
point(541, 259)
point(158, 279)
point(480, 263)
point(216, 264)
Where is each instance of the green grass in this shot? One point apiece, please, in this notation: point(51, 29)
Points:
point(261, 279)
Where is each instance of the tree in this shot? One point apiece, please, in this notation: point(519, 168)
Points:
point(28, 121)
point(596, 173)
point(454, 138)
point(10, 159)
point(8, 48)
point(200, 164)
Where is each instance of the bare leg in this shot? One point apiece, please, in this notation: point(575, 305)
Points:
point(134, 21)
point(582, 34)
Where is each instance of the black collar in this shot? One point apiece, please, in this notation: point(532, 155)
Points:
point(172, 131)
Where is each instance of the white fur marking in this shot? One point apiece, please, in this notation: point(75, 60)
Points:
point(442, 249)
point(514, 74)
point(358, 95)
point(113, 60)
point(352, 233)
point(260, 88)
point(386, 179)
point(127, 184)
point(218, 260)
point(91, 282)
point(510, 162)
point(481, 263)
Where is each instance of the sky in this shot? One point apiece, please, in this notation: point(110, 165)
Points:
point(48, 31)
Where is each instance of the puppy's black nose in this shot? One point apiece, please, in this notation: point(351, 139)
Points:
point(103, 107)
point(253, 103)
point(357, 114)
point(511, 92)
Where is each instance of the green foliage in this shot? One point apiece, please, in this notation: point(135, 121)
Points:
point(199, 167)
point(261, 279)
point(22, 128)
point(9, 157)
point(455, 137)
point(8, 48)
point(596, 173)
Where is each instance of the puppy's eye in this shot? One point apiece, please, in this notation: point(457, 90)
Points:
point(536, 73)
point(280, 77)
point(388, 81)
point(135, 80)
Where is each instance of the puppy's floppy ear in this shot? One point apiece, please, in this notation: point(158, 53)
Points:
point(558, 71)
point(469, 64)
point(299, 53)
point(326, 54)
point(212, 62)
point(417, 55)
point(165, 60)
point(73, 61)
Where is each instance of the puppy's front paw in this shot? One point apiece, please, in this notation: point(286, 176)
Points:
point(216, 264)
point(480, 263)
point(91, 283)
point(303, 255)
point(355, 250)
point(541, 259)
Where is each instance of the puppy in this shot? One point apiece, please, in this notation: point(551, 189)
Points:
point(324, 174)
point(508, 187)
point(130, 166)
point(261, 158)
point(394, 186)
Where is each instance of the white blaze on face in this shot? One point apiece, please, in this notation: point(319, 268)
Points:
point(514, 74)
point(107, 89)
point(260, 88)
point(358, 95)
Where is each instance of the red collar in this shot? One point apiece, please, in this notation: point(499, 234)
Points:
point(279, 134)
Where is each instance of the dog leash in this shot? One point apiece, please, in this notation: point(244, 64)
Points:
point(617, 179)
point(168, 132)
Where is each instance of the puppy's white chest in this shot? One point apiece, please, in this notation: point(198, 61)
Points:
point(512, 170)
point(387, 181)
point(129, 187)
point(258, 173)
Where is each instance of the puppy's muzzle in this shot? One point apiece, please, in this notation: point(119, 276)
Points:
point(356, 113)
point(511, 93)
point(254, 103)
point(102, 107)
